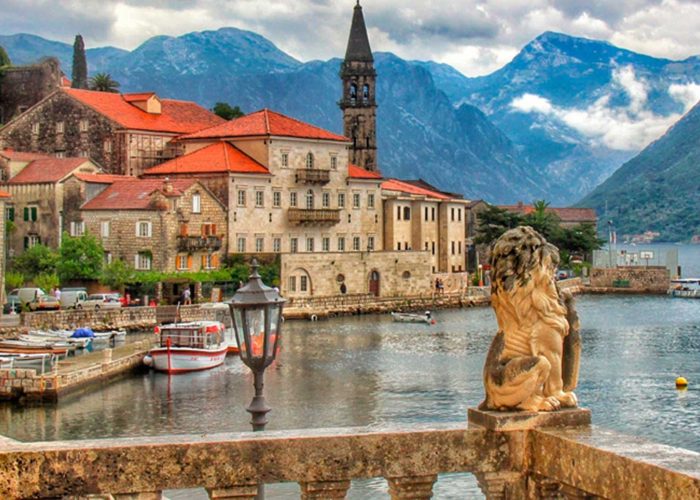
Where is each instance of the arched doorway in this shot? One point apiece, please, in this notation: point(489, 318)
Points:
point(374, 283)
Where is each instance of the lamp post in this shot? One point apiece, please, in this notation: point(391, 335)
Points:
point(481, 275)
point(257, 321)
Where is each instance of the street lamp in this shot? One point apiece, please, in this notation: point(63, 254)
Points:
point(481, 275)
point(257, 322)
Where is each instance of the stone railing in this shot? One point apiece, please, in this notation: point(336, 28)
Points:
point(313, 176)
point(579, 463)
point(195, 243)
point(313, 216)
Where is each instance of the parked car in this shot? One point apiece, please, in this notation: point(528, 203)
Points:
point(44, 303)
point(563, 274)
point(13, 304)
point(109, 300)
point(26, 295)
point(78, 299)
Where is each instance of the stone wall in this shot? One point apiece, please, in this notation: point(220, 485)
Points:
point(21, 87)
point(633, 279)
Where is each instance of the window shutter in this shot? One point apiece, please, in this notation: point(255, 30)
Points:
point(178, 260)
point(183, 229)
point(204, 261)
point(189, 262)
point(204, 229)
point(26, 242)
point(34, 211)
point(26, 213)
point(213, 229)
point(215, 260)
point(12, 213)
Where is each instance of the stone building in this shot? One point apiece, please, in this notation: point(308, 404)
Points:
point(124, 133)
point(419, 217)
point(288, 185)
point(4, 198)
point(159, 224)
point(568, 217)
point(21, 87)
point(36, 207)
point(358, 101)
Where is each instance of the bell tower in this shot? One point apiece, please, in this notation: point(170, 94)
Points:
point(358, 101)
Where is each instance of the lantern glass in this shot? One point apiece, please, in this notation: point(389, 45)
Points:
point(255, 331)
point(273, 311)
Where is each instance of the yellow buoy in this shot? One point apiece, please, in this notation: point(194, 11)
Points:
point(681, 382)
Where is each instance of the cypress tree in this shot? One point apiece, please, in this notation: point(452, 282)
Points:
point(4, 58)
point(79, 75)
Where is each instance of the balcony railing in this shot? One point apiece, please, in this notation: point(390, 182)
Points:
point(571, 463)
point(196, 243)
point(309, 217)
point(313, 176)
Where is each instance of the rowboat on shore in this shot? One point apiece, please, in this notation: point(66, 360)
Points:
point(44, 338)
point(687, 288)
point(187, 347)
point(22, 347)
point(413, 317)
point(41, 362)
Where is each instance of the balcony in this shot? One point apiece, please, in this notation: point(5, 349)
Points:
point(312, 217)
point(313, 176)
point(198, 243)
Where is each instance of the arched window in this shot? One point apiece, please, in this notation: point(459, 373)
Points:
point(353, 93)
point(365, 93)
point(310, 160)
point(310, 200)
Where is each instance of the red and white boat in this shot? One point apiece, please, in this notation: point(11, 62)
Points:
point(188, 347)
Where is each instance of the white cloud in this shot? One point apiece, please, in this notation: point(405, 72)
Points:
point(624, 128)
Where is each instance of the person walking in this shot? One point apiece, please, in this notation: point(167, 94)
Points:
point(187, 297)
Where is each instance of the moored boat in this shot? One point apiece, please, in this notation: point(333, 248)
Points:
point(41, 362)
point(413, 318)
point(186, 347)
point(688, 288)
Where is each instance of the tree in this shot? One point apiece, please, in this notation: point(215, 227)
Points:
point(493, 222)
point(80, 258)
point(79, 73)
point(36, 260)
point(13, 280)
point(103, 82)
point(46, 282)
point(116, 275)
point(541, 220)
point(225, 111)
point(4, 58)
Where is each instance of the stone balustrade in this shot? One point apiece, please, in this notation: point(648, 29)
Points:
point(575, 463)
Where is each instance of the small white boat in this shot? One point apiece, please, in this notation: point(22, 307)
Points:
point(688, 288)
point(187, 347)
point(42, 362)
point(42, 338)
point(413, 318)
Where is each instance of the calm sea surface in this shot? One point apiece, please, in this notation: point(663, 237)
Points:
point(365, 371)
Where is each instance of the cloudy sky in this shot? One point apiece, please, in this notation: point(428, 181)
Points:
point(475, 36)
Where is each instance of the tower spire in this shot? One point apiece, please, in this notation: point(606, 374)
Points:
point(358, 100)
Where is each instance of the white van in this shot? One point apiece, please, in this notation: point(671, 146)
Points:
point(78, 299)
point(26, 295)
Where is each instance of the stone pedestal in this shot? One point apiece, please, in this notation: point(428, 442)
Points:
point(523, 420)
point(411, 487)
point(241, 492)
point(325, 490)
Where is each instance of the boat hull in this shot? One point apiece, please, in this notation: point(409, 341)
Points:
point(182, 359)
point(410, 318)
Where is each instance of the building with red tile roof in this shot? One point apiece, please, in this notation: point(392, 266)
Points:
point(51, 170)
point(355, 172)
point(125, 133)
point(215, 158)
point(568, 217)
point(158, 224)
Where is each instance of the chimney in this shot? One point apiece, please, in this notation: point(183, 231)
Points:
point(167, 185)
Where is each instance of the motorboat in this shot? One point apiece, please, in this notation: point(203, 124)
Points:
point(413, 317)
point(187, 347)
point(688, 288)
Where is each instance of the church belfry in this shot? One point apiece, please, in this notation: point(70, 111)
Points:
point(358, 101)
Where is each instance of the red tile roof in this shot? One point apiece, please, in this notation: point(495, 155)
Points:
point(101, 178)
point(355, 172)
point(571, 215)
point(266, 123)
point(4, 194)
point(217, 157)
point(180, 117)
point(65, 82)
point(47, 170)
point(13, 155)
point(405, 187)
point(137, 96)
point(133, 194)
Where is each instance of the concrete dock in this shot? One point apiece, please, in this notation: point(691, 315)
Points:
point(72, 374)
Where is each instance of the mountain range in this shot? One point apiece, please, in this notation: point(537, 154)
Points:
point(520, 133)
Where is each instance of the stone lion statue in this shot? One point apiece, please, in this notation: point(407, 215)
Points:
point(533, 361)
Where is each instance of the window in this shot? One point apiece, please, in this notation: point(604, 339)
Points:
point(398, 213)
point(107, 146)
point(341, 200)
point(31, 213)
point(108, 258)
point(143, 229)
point(31, 240)
point(77, 228)
point(432, 215)
point(181, 262)
point(292, 199)
point(356, 200)
point(196, 203)
point(398, 245)
point(241, 198)
point(433, 248)
point(370, 243)
point(406, 275)
point(303, 283)
point(10, 213)
point(309, 244)
point(334, 162)
point(285, 159)
point(294, 245)
point(406, 213)
point(60, 154)
point(341, 243)
point(452, 247)
point(326, 200)
point(309, 160)
point(259, 244)
point(459, 247)
point(426, 213)
point(365, 93)
point(240, 244)
point(143, 261)
point(292, 283)
point(83, 125)
point(36, 127)
point(259, 198)
point(208, 261)
point(452, 214)
point(277, 245)
point(59, 127)
point(326, 244)
point(276, 198)
point(309, 200)
point(370, 200)
point(353, 93)
point(356, 243)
